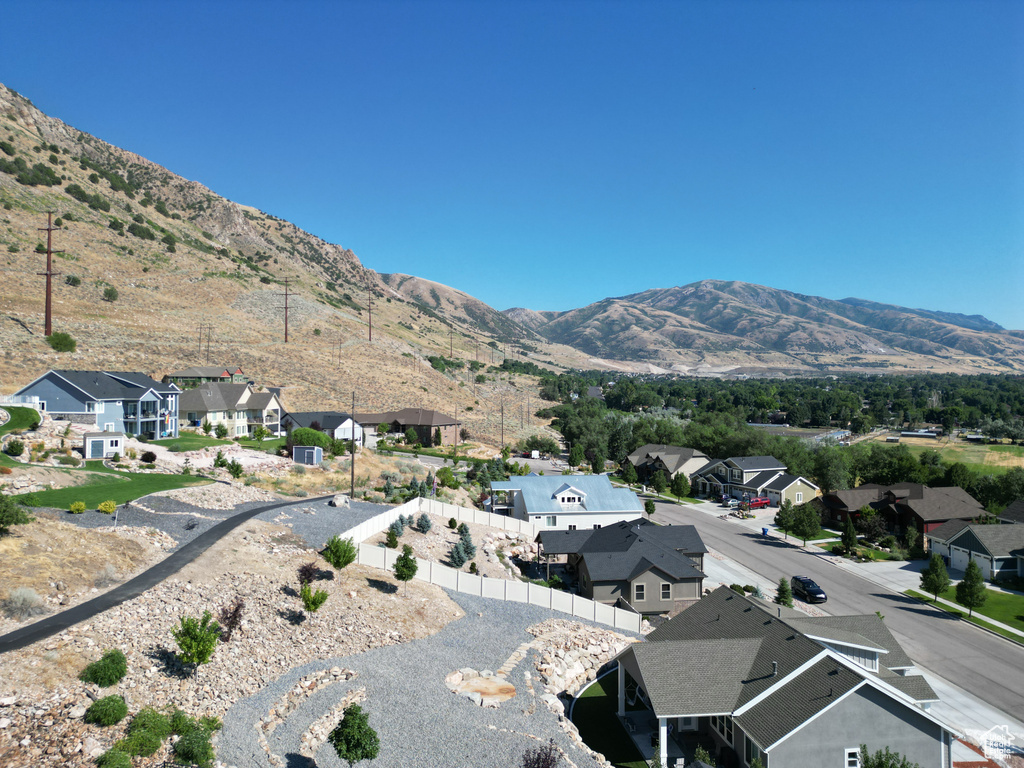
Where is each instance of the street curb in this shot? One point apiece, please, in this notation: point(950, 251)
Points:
point(962, 619)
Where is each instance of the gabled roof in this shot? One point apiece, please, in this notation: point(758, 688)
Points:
point(750, 463)
point(937, 503)
point(762, 479)
point(947, 530)
point(672, 456)
point(995, 540)
point(328, 420)
point(538, 493)
point(1014, 513)
point(783, 481)
point(717, 657)
point(206, 372)
point(104, 385)
point(409, 417)
point(869, 494)
point(214, 396)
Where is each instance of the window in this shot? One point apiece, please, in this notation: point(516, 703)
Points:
point(551, 520)
point(799, 497)
point(572, 527)
point(751, 751)
point(596, 526)
point(239, 429)
point(115, 443)
point(666, 591)
point(639, 593)
point(90, 407)
point(723, 724)
point(852, 758)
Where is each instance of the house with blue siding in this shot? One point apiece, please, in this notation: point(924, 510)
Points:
point(111, 401)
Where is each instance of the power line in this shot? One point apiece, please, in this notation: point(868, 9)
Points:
point(49, 229)
point(286, 294)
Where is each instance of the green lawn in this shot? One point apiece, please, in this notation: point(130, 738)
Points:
point(267, 446)
point(873, 554)
point(963, 615)
point(971, 455)
point(190, 441)
point(594, 715)
point(1009, 609)
point(109, 485)
point(21, 418)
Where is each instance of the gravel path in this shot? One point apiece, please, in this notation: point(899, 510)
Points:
point(317, 521)
point(420, 722)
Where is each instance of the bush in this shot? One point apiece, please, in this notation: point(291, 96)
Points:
point(62, 342)
point(77, 507)
point(307, 436)
point(68, 461)
point(12, 514)
point(311, 600)
point(142, 743)
point(148, 457)
point(354, 739)
point(197, 638)
point(453, 523)
point(235, 469)
point(221, 431)
point(14, 448)
point(423, 523)
point(152, 721)
point(106, 711)
point(106, 577)
point(339, 552)
point(23, 602)
point(457, 556)
point(194, 748)
point(107, 507)
point(73, 281)
point(542, 757)
point(114, 758)
point(140, 231)
point(392, 538)
point(308, 572)
point(110, 293)
point(888, 542)
point(106, 672)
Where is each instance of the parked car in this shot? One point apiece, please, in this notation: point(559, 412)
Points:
point(759, 503)
point(806, 589)
point(731, 503)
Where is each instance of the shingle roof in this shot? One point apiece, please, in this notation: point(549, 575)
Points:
point(1014, 513)
point(938, 503)
point(762, 479)
point(328, 420)
point(947, 530)
point(749, 463)
point(538, 493)
point(673, 456)
point(103, 385)
point(206, 371)
point(998, 540)
point(871, 627)
point(783, 481)
point(627, 549)
point(914, 686)
point(794, 703)
point(213, 396)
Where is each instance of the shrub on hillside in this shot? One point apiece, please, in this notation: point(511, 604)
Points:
point(307, 436)
point(424, 524)
point(354, 739)
point(110, 293)
point(231, 618)
point(23, 602)
point(148, 457)
point(77, 507)
point(106, 711)
point(107, 507)
point(108, 671)
point(62, 342)
point(150, 720)
point(197, 638)
point(114, 758)
point(140, 743)
point(73, 281)
point(14, 448)
point(339, 552)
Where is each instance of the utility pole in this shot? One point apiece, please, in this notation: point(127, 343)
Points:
point(451, 343)
point(286, 294)
point(503, 424)
point(352, 493)
point(49, 273)
point(209, 335)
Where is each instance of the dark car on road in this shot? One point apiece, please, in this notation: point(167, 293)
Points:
point(806, 589)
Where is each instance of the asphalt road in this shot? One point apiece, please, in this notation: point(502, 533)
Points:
point(984, 664)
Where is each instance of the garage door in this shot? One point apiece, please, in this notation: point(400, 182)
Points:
point(960, 558)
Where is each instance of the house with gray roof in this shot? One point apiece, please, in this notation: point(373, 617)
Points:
point(772, 684)
point(239, 407)
point(1014, 513)
point(750, 477)
point(997, 549)
point(670, 459)
point(903, 505)
point(427, 424)
point(651, 568)
point(205, 374)
point(339, 425)
point(571, 502)
point(113, 401)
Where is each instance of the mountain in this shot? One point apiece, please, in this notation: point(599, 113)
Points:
point(755, 329)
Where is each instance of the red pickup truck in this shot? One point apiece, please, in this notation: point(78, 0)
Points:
point(759, 502)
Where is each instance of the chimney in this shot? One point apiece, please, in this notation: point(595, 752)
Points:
point(775, 668)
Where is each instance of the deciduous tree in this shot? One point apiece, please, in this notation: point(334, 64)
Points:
point(934, 578)
point(971, 592)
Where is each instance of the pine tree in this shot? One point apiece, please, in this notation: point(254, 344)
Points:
point(457, 556)
point(784, 595)
point(405, 567)
point(423, 523)
point(849, 538)
point(628, 474)
point(659, 483)
point(784, 517)
point(934, 578)
point(971, 592)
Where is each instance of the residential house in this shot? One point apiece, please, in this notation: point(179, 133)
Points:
point(127, 402)
point(997, 549)
point(340, 426)
point(573, 502)
point(750, 477)
point(238, 407)
point(772, 684)
point(651, 568)
point(426, 424)
point(206, 374)
point(1013, 514)
point(903, 505)
point(670, 459)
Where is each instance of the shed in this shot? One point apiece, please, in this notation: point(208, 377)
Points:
point(307, 454)
point(102, 445)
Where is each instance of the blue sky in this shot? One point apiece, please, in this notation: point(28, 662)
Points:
point(551, 154)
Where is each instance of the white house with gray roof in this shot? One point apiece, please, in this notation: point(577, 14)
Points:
point(997, 549)
point(569, 502)
point(772, 684)
point(239, 407)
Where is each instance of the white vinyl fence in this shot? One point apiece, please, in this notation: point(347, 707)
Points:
point(460, 581)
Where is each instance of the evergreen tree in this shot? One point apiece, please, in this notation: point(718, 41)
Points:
point(457, 557)
point(971, 592)
point(659, 482)
point(650, 507)
point(680, 486)
point(628, 474)
point(576, 456)
point(424, 523)
point(784, 517)
point(354, 739)
point(784, 594)
point(849, 538)
point(934, 579)
point(405, 567)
